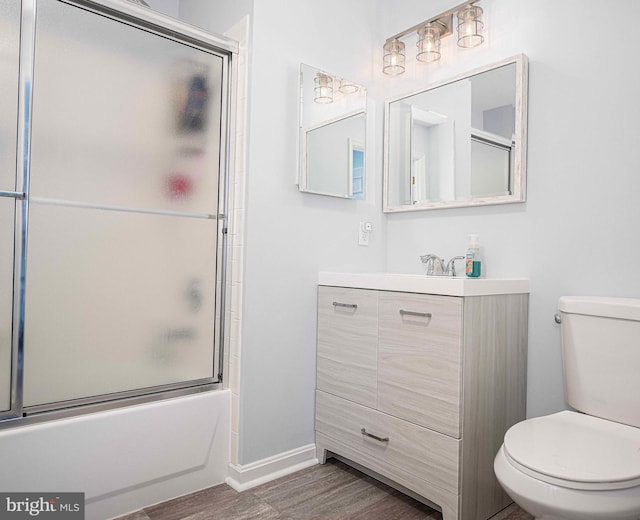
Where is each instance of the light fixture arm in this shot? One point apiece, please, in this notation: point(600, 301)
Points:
point(445, 20)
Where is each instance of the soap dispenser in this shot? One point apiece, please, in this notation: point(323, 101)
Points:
point(472, 258)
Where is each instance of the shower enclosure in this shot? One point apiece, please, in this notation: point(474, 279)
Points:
point(113, 162)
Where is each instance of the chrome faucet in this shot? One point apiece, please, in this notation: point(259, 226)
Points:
point(451, 266)
point(435, 264)
point(436, 267)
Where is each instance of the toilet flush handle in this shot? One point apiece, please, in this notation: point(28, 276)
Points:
point(558, 318)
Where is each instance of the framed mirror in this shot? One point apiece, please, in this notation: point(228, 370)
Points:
point(461, 142)
point(331, 135)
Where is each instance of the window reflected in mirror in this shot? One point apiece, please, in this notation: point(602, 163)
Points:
point(331, 135)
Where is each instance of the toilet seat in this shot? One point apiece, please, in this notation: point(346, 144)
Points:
point(577, 451)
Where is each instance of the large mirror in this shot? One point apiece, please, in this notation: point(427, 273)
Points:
point(331, 134)
point(461, 142)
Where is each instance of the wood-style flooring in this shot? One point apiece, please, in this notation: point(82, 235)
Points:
point(333, 491)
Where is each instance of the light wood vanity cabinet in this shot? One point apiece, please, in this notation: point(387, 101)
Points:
point(419, 342)
point(420, 388)
point(348, 344)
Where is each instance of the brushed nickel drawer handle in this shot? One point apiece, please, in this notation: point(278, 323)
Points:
point(381, 439)
point(346, 305)
point(412, 313)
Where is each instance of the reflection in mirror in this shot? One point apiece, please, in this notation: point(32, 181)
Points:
point(331, 134)
point(432, 157)
point(459, 143)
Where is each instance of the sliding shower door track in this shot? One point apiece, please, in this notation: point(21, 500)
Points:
point(94, 404)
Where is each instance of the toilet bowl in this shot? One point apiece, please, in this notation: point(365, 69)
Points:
point(584, 465)
point(572, 466)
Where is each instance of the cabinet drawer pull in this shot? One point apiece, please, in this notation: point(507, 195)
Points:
point(346, 305)
point(381, 439)
point(412, 313)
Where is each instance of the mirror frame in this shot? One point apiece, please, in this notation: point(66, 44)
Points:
point(519, 193)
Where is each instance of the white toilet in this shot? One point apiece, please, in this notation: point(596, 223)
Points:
point(584, 465)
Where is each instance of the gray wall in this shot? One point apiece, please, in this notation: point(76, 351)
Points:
point(291, 236)
point(576, 234)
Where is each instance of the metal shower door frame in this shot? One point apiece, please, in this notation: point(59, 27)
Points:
point(141, 18)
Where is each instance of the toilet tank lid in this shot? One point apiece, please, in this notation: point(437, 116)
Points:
point(622, 308)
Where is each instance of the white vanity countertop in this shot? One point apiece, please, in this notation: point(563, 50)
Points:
point(417, 283)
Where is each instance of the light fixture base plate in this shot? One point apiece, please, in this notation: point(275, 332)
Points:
point(446, 23)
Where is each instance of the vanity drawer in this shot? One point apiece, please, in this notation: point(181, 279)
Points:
point(348, 343)
point(419, 359)
point(414, 450)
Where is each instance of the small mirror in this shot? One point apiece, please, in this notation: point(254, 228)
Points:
point(332, 134)
point(459, 143)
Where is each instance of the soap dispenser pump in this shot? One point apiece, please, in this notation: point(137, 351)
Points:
point(473, 262)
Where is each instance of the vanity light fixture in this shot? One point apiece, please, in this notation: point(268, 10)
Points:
point(470, 26)
point(323, 89)
point(347, 87)
point(430, 32)
point(429, 42)
point(393, 60)
point(325, 86)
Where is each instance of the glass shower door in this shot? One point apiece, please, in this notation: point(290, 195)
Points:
point(124, 227)
point(9, 45)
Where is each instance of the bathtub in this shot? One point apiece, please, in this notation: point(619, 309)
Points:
point(123, 459)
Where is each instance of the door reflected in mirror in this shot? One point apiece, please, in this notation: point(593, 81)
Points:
point(458, 143)
point(331, 135)
point(432, 155)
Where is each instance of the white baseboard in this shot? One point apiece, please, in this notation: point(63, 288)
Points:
point(251, 475)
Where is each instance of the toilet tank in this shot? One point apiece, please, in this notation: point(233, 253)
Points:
point(601, 356)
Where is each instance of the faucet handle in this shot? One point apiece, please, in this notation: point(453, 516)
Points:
point(428, 260)
point(435, 265)
point(451, 266)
